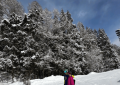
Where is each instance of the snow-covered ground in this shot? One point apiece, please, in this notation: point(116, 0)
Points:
point(104, 78)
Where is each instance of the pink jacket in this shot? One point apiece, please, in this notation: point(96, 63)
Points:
point(70, 80)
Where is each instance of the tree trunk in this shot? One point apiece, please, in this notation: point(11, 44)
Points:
point(12, 75)
point(34, 74)
point(29, 74)
point(7, 74)
point(43, 73)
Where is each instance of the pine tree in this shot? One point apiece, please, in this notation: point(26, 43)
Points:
point(81, 28)
point(47, 17)
point(10, 6)
point(56, 27)
point(19, 43)
point(117, 48)
point(62, 21)
point(109, 58)
point(69, 26)
point(35, 6)
point(1, 12)
point(88, 30)
point(69, 16)
point(95, 32)
point(36, 13)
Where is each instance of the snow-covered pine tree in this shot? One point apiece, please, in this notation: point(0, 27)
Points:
point(109, 58)
point(69, 16)
point(36, 13)
point(10, 6)
point(47, 17)
point(95, 32)
point(62, 21)
point(88, 30)
point(69, 26)
point(35, 6)
point(117, 48)
point(1, 12)
point(19, 44)
point(56, 26)
point(81, 28)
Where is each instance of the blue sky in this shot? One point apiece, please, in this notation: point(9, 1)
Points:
point(104, 14)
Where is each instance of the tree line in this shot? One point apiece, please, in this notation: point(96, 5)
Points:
point(43, 43)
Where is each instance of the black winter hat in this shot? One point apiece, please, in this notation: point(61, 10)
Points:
point(70, 72)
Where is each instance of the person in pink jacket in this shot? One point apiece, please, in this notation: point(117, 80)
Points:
point(70, 79)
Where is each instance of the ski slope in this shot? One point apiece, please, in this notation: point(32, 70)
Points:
point(104, 78)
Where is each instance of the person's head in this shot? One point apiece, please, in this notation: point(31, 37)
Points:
point(65, 71)
point(69, 73)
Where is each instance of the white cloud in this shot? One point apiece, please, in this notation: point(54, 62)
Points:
point(116, 41)
point(104, 11)
point(82, 14)
point(105, 7)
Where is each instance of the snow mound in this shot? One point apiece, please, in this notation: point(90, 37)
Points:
point(92, 73)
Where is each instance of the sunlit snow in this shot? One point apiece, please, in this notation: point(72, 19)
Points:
point(104, 78)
